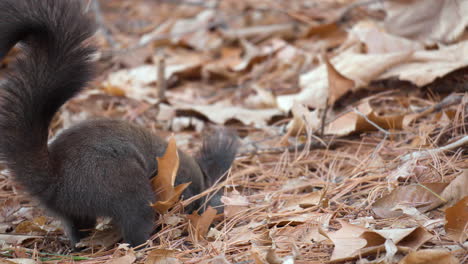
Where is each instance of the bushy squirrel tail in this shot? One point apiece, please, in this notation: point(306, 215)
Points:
point(217, 154)
point(55, 64)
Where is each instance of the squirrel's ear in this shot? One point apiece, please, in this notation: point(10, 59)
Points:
point(217, 154)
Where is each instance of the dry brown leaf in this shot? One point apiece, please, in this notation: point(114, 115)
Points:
point(168, 165)
point(348, 241)
point(163, 183)
point(338, 85)
point(16, 239)
point(428, 21)
point(303, 119)
point(412, 195)
point(254, 54)
point(161, 256)
point(234, 203)
point(378, 41)
point(361, 68)
point(424, 66)
point(353, 122)
point(38, 224)
point(127, 259)
point(457, 189)
point(243, 235)
point(305, 233)
point(230, 57)
point(457, 221)
point(194, 32)
point(201, 223)
point(103, 239)
point(410, 238)
point(8, 208)
point(433, 256)
point(352, 241)
point(305, 201)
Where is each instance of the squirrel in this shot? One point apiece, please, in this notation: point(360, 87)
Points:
point(95, 168)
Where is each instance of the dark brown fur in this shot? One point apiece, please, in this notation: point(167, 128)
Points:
point(96, 168)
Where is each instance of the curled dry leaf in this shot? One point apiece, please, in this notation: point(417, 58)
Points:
point(457, 221)
point(201, 223)
point(361, 68)
point(163, 183)
point(338, 84)
point(303, 120)
point(352, 241)
point(433, 256)
point(424, 197)
point(355, 122)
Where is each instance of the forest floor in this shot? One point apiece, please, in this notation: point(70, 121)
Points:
point(353, 119)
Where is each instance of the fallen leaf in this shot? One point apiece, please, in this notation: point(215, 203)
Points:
point(8, 208)
point(425, 66)
point(37, 225)
point(361, 68)
point(163, 183)
point(423, 197)
point(161, 256)
point(303, 120)
point(16, 239)
point(410, 238)
point(348, 241)
point(201, 223)
point(353, 241)
point(354, 122)
point(127, 259)
point(378, 41)
point(234, 203)
point(433, 256)
point(457, 221)
point(194, 32)
point(338, 85)
point(457, 189)
point(103, 239)
point(307, 233)
point(305, 201)
point(430, 21)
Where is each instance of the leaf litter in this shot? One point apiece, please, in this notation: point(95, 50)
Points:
point(353, 117)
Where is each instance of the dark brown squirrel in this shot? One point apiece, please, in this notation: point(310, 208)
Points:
point(96, 168)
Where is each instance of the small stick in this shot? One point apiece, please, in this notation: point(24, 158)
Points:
point(162, 83)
